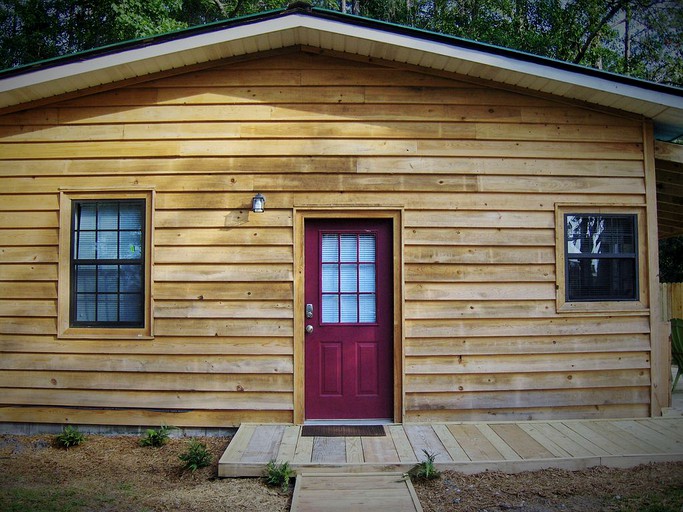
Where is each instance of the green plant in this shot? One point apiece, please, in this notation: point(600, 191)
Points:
point(196, 456)
point(156, 438)
point(425, 470)
point(69, 437)
point(278, 475)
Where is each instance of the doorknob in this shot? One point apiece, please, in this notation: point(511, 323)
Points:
point(309, 329)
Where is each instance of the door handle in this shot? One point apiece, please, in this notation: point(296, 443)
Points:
point(309, 329)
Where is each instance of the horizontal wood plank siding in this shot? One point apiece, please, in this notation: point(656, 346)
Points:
point(476, 170)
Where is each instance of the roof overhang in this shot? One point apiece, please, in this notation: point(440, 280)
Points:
point(348, 34)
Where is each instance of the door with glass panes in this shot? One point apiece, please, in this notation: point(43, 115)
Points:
point(349, 319)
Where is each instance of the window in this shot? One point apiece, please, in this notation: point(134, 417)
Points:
point(599, 258)
point(107, 263)
point(349, 288)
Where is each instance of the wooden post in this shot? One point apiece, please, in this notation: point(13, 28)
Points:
point(660, 395)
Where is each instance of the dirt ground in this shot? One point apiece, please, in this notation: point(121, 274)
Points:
point(114, 473)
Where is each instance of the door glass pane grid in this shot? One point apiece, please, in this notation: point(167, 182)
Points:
point(107, 263)
point(348, 280)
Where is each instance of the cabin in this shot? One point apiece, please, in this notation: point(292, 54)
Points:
point(305, 216)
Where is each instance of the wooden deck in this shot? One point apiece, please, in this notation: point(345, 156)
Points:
point(345, 492)
point(466, 447)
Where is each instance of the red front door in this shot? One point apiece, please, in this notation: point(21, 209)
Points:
point(349, 319)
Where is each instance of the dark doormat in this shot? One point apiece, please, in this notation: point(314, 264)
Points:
point(342, 431)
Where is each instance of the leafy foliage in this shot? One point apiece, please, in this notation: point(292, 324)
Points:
point(69, 437)
point(643, 38)
point(671, 260)
point(156, 438)
point(278, 475)
point(197, 456)
point(425, 470)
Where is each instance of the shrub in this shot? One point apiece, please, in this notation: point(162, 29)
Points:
point(196, 456)
point(278, 475)
point(69, 437)
point(425, 470)
point(156, 438)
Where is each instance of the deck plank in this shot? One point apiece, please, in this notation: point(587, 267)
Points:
point(584, 441)
point(499, 444)
point(328, 449)
point(450, 443)
point(238, 444)
point(534, 431)
point(354, 450)
point(264, 443)
point(673, 431)
point(401, 443)
point(379, 449)
point(304, 450)
point(630, 444)
point(650, 436)
point(521, 442)
point(474, 443)
point(595, 437)
point(288, 444)
point(423, 439)
point(573, 445)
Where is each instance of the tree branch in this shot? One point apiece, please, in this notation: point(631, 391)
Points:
point(221, 7)
point(592, 35)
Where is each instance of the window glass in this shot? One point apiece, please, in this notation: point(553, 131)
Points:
point(107, 264)
point(601, 257)
point(348, 277)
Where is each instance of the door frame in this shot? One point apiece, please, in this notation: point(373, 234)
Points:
point(300, 216)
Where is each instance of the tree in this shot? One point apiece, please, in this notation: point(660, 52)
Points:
point(643, 38)
point(671, 260)
point(638, 37)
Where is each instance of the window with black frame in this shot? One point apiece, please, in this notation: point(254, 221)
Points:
point(107, 263)
point(601, 257)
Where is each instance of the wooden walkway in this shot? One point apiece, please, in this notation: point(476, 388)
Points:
point(467, 447)
point(346, 492)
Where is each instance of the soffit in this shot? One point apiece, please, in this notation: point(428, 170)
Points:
point(346, 34)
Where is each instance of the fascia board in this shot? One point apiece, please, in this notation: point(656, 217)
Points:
point(89, 71)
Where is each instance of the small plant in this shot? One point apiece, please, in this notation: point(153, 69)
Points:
point(196, 456)
point(156, 438)
point(425, 470)
point(278, 475)
point(69, 437)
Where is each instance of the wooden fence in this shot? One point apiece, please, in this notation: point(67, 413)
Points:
point(671, 296)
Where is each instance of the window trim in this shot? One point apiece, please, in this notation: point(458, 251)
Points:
point(564, 305)
point(64, 328)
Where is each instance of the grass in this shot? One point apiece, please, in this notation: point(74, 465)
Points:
point(666, 500)
point(58, 498)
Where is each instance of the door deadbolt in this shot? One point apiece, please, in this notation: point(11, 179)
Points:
point(309, 310)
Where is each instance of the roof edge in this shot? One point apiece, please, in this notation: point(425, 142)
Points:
point(303, 8)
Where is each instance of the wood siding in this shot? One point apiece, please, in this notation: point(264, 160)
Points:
point(477, 172)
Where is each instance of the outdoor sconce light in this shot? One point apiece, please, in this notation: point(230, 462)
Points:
point(258, 204)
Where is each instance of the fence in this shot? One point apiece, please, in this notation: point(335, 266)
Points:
point(671, 296)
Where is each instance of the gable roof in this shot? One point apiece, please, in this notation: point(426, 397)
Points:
point(302, 25)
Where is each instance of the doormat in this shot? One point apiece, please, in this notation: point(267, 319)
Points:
point(342, 431)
